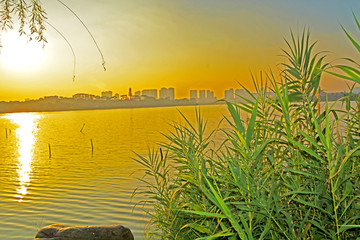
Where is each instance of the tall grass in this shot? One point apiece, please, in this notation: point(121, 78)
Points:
point(290, 172)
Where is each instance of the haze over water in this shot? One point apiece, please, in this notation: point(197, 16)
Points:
point(76, 186)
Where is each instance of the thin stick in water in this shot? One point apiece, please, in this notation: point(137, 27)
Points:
point(6, 133)
point(82, 128)
point(49, 151)
point(92, 146)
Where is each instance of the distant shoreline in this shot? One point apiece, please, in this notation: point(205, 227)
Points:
point(43, 105)
point(57, 104)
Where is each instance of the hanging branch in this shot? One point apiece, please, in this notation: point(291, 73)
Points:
point(72, 50)
point(30, 16)
point(37, 18)
point(21, 10)
point(7, 8)
point(87, 29)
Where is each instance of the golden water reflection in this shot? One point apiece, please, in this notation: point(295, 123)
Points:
point(26, 137)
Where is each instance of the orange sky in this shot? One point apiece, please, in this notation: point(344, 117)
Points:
point(188, 44)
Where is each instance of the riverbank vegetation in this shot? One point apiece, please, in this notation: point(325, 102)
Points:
point(289, 171)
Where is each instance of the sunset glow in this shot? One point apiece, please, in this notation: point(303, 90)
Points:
point(181, 44)
point(25, 134)
point(19, 55)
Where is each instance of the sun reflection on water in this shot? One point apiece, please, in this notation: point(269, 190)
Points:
point(25, 134)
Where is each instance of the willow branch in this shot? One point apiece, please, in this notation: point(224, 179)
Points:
point(87, 29)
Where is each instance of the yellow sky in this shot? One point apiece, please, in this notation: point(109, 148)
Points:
point(188, 44)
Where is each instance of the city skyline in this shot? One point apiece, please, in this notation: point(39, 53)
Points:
point(186, 44)
point(191, 93)
point(162, 93)
point(231, 94)
point(144, 98)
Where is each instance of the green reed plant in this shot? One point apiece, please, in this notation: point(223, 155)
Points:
point(291, 171)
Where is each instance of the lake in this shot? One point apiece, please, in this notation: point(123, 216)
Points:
point(77, 167)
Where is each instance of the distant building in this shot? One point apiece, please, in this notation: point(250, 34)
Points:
point(229, 95)
point(51, 97)
point(84, 96)
point(149, 93)
point(356, 90)
point(193, 94)
point(167, 93)
point(240, 93)
point(244, 94)
point(130, 93)
point(106, 95)
point(171, 93)
point(210, 95)
point(202, 94)
point(164, 93)
point(138, 93)
point(116, 96)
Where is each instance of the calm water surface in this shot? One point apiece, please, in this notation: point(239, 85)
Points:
point(79, 184)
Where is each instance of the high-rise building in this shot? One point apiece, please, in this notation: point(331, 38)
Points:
point(149, 93)
point(167, 93)
point(130, 93)
point(171, 92)
point(164, 93)
point(210, 95)
point(136, 96)
point(229, 95)
point(239, 93)
point(193, 94)
point(202, 94)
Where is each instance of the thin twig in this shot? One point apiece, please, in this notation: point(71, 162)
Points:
point(72, 50)
point(92, 147)
point(87, 29)
point(82, 128)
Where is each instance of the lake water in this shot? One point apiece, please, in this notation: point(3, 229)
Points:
point(89, 177)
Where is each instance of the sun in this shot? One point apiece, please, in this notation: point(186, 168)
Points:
point(19, 54)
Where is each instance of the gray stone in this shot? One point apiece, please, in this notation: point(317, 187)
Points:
point(98, 232)
point(50, 231)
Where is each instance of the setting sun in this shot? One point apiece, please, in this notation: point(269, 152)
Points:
point(20, 55)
